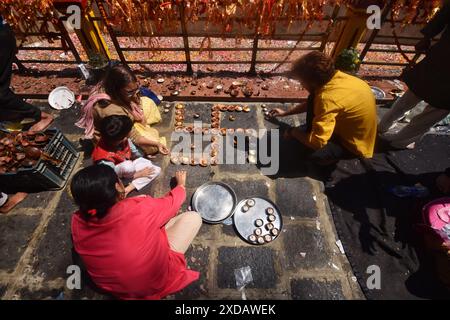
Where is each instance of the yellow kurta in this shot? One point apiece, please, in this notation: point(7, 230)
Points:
point(345, 107)
point(151, 116)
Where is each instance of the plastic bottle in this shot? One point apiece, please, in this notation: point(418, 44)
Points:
point(416, 191)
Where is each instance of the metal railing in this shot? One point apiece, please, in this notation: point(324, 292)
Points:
point(60, 34)
point(186, 34)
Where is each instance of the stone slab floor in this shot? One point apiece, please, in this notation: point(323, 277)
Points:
point(304, 262)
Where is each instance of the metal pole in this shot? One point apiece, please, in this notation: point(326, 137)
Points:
point(329, 28)
point(374, 34)
point(65, 36)
point(187, 52)
point(111, 32)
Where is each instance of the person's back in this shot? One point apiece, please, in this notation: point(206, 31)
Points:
point(354, 104)
point(132, 248)
point(124, 252)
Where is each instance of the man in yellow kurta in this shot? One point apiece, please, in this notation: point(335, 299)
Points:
point(342, 118)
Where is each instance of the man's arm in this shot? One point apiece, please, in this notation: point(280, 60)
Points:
point(300, 108)
point(322, 127)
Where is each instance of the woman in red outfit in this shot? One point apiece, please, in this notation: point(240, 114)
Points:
point(132, 248)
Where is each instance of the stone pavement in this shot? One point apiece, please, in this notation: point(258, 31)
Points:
point(304, 262)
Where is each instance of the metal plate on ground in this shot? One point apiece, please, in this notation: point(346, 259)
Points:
point(378, 93)
point(215, 201)
point(244, 222)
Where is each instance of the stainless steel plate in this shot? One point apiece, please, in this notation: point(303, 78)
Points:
point(244, 222)
point(379, 94)
point(215, 201)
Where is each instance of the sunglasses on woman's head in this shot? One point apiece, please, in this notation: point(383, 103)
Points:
point(132, 93)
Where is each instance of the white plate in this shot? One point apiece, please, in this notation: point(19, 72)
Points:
point(61, 98)
point(378, 93)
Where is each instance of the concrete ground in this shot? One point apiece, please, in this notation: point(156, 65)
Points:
point(304, 262)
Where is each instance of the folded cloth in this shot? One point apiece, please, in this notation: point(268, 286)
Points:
point(128, 168)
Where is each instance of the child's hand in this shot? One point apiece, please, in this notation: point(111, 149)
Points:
point(180, 176)
point(146, 172)
point(163, 149)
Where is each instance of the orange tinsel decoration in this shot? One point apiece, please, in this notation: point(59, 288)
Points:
point(153, 16)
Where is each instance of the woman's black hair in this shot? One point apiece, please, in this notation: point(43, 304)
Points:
point(94, 190)
point(117, 78)
point(115, 128)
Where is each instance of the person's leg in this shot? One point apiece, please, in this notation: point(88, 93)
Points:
point(7, 55)
point(182, 229)
point(14, 109)
point(331, 153)
point(418, 126)
point(44, 123)
point(12, 201)
point(405, 103)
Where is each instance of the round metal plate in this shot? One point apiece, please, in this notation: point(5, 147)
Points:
point(244, 222)
point(61, 98)
point(379, 94)
point(215, 201)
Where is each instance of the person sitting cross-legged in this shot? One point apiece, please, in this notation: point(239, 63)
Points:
point(132, 248)
point(341, 111)
point(116, 150)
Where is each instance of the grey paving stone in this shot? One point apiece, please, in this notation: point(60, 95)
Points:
point(239, 168)
point(2, 290)
point(64, 120)
point(15, 233)
point(202, 109)
point(298, 239)
point(196, 175)
point(248, 188)
point(229, 230)
point(197, 258)
point(54, 251)
point(41, 294)
point(295, 197)
point(314, 289)
point(38, 200)
point(245, 120)
point(166, 118)
point(260, 260)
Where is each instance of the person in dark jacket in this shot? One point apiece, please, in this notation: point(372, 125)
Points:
point(427, 81)
point(13, 108)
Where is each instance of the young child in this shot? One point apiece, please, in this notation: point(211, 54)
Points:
point(117, 151)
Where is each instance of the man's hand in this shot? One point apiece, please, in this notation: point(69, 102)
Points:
point(146, 172)
point(277, 112)
point(443, 183)
point(423, 45)
point(163, 149)
point(180, 176)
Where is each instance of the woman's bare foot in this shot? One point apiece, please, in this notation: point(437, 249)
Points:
point(46, 120)
point(13, 201)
